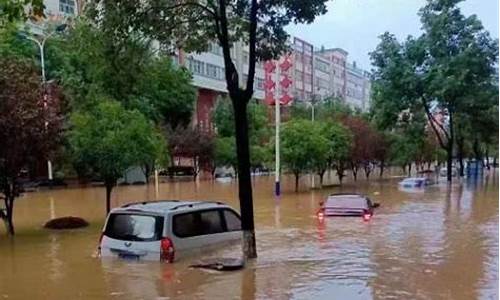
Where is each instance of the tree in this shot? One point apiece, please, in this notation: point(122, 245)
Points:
point(447, 66)
point(109, 139)
point(15, 10)
point(192, 25)
point(304, 147)
point(340, 142)
point(127, 70)
point(192, 143)
point(225, 154)
point(363, 144)
point(381, 146)
point(169, 90)
point(259, 131)
point(154, 154)
point(25, 136)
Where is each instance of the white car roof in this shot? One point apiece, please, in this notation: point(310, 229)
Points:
point(346, 200)
point(167, 205)
point(414, 179)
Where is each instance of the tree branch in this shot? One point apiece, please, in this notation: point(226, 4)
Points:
point(251, 55)
point(231, 74)
point(184, 4)
point(433, 122)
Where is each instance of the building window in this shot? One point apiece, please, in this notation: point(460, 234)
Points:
point(67, 7)
point(196, 66)
point(215, 72)
point(307, 79)
point(215, 49)
point(212, 71)
point(259, 83)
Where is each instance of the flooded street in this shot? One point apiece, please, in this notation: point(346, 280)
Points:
point(441, 243)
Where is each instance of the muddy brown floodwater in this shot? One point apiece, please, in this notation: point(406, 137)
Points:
point(441, 243)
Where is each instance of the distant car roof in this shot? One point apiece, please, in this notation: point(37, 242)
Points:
point(414, 179)
point(167, 205)
point(346, 200)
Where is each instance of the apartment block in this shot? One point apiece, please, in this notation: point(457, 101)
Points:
point(304, 75)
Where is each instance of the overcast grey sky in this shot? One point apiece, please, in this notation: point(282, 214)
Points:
point(355, 25)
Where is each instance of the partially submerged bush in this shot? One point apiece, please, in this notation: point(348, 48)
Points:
point(66, 223)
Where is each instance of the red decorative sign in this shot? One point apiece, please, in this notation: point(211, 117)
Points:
point(269, 66)
point(286, 64)
point(285, 82)
point(285, 99)
point(283, 78)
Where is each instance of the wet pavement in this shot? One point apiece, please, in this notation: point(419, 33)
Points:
point(441, 243)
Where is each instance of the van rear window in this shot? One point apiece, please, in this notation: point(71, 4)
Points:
point(133, 227)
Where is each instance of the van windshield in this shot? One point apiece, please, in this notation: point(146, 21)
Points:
point(134, 227)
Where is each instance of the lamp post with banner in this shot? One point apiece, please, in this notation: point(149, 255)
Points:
point(40, 42)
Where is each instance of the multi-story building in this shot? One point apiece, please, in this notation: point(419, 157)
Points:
point(314, 74)
point(337, 60)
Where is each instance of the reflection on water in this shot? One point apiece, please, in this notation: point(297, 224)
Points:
point(441, 243)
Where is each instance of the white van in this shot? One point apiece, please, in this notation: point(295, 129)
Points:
point(164, 230)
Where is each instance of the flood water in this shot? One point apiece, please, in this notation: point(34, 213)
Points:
point(441, 243)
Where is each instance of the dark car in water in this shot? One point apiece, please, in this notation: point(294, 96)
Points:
point(347, 205)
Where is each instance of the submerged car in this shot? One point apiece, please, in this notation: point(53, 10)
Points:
point(443, 172)
point(347, 205)
point(415, 182)
point(163, 230)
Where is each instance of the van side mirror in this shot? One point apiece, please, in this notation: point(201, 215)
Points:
point(375, 205)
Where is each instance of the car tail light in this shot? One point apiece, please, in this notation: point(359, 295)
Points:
point(366, 215)
point(167, 251)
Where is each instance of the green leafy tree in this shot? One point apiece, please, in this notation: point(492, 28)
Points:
point(170, 91)
point(258, 129)
point(191, 25)
point(225, 154)
point(25, 137)
point(91, 64)
point(340, 141)
point(446, 67)
point(304, 147)
point(15, 10)
point(333, 147)
point(109, 139)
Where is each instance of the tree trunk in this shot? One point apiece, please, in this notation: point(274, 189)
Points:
point(321, 174)
point(477, 150)
point(449, 162)
point(195, 168)
point(244, 178)
point(486, 154)
point(9, 213)
point(340, 172)
point(354, 171)
point(368, 170)
point(382, 165)
point(297, 175)
point(460, 155)
point(409, 169)
point(109, 187)
point(494, 161)
point(146, 169)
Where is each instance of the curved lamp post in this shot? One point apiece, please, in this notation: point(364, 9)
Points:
point(41, 46)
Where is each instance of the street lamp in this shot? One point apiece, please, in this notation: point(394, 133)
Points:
point(41, 46)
